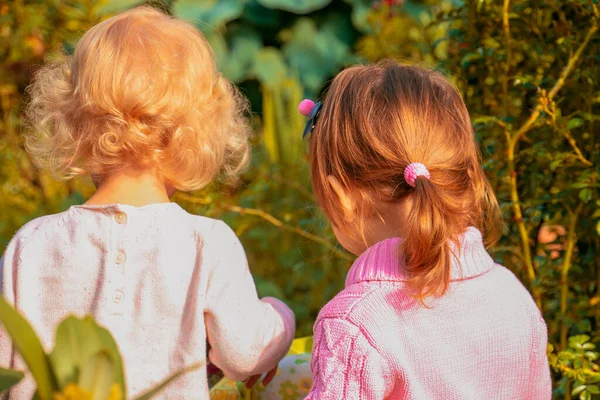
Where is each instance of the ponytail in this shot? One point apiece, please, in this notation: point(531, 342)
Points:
point(435, 222)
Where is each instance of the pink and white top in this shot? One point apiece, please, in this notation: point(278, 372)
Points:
point(161, 280)
point(484, 339)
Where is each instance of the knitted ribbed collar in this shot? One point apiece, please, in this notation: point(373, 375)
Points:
point(384, 261)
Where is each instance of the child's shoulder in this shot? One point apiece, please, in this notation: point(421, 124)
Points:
point(212, 232)
point(35, 228)
point(349, 302)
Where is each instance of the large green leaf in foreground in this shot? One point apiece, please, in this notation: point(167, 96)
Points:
point(78, 341)
point(29, 347)
point(9, 378)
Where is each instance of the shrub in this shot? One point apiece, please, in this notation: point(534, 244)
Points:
point(529, 74)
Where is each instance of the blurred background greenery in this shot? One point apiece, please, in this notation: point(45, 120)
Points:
point(528, 70)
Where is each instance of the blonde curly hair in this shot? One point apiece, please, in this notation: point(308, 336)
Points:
point(142, 91)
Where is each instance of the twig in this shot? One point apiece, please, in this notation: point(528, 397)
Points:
point(567, 134)
point(571, 140)
point(506, 29)
point(564, 272)
point(295, 185)
point(269, 218)
point(524, 236)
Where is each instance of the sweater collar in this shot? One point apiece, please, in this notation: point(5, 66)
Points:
point(384, 261)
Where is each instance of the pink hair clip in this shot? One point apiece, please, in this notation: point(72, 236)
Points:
point(309, 109)
point(413, 171)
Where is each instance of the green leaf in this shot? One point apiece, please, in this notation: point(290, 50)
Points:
point(314, 52)
point(156, 389)
point(269, 67)
point(593, 389)
point(578, 390)
point(79, 340)
point(9, 378)
point(586, 194)
point(246, 43)
point(578, 339)
point(574, 123)
point(29, 347)
point(598, 228)
point(361, 10)
point(585, 396)
point(261, 16)
point(114, 6)
point(208, 14)
point(97, 376)
point(295, 6)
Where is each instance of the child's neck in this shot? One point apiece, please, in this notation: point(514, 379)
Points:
point(139, 189)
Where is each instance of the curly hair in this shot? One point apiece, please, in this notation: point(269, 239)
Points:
point(141, 91)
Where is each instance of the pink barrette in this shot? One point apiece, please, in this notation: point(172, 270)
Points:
point(413, 171)
point(306, 106)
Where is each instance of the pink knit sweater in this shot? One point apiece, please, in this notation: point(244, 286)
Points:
point(161, 280)
point(484, 339)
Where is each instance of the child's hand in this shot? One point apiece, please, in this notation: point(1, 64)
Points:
point(253, 379)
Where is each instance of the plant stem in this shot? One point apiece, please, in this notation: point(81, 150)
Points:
point(524, 236)
point(506, 30)
point(564, 273)
point(597, 308)
point(271, 219)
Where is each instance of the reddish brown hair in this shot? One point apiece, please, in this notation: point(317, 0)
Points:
point(378, 119)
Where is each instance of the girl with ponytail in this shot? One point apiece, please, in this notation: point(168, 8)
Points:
point(426, 312)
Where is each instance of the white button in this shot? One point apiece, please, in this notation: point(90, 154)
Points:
point(118, 296)
point(120, 257)
point(120, 217)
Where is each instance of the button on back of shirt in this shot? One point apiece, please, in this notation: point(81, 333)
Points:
point(118, 296)
point(120, 258)
point(120, 217)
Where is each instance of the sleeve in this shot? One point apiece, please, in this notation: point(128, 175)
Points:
point(540, 381)
point(247, 336)
point(345, 365)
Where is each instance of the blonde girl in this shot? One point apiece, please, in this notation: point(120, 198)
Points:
point(142, 108)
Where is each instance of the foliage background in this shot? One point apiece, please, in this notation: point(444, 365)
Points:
point(529, 73)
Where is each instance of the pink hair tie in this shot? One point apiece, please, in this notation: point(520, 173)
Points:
point(306, 106)
point(413, 171)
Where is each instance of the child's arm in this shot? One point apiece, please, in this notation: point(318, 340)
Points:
point(344, 364)
point(248, 336)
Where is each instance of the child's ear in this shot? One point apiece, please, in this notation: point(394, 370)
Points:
point(348, 203)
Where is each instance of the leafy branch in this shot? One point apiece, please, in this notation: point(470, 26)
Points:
point(513, 139)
